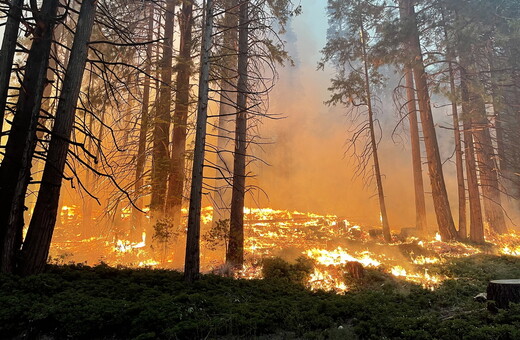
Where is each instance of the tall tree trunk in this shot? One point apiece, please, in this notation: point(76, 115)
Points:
point(180, 118)
point(235, 251)
point(7, 53)
point(145, 122)
point(461, 190)
point(192, 259)
point(227, 115)
point(161, 134)
point(15, 169)
point(420, 204)
point(39, 235)
point(488, 176)
point(440, 195)
point(476, 225)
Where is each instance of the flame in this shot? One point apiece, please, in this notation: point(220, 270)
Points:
point(331, 242)
point(124, 246)
point(339, 256)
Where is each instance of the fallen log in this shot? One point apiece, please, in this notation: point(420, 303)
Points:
point(503, 292)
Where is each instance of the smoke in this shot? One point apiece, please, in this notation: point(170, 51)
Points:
point(309, 170)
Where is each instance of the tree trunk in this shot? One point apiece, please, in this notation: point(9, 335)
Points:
point(226, 119)
point(461, 190)
point(161, 134)
point(15, 169)
point(440, 196)
point(180, 117)
point(475, 109)
point(476, 226)
point(192, 259)
point(143, 131)
point(420, 204)
point(7, 53)
point(489, 178)
point(39, 235)
point(235, 252)
point(503, 292)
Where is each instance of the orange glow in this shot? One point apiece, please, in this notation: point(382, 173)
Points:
point(331, 242)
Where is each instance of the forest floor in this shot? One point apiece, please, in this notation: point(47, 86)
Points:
point(80, 302)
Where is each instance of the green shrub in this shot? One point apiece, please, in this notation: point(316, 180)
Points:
point(278, 268)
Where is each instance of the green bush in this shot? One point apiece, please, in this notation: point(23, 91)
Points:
point(278, 268)
point(82, 302)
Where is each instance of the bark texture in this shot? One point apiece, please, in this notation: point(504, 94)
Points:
point(180, 117)
point(7, 53)
point(192, 259)
point(420, 204)
point(440, 196)
point(235, 252)
point(39, 235)
point(15, 170)
point(161, 134)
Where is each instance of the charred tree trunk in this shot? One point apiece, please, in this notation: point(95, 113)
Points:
point(439, 193)
point(7, 53)
point(420, 204)
point(235, 252)
point(180, 117)
point(143, 130)
point(192, 259)
point(161, 134)
point(15, 169)
point(37, 243)
point(226, 119)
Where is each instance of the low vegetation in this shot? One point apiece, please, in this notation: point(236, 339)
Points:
point(101, 302)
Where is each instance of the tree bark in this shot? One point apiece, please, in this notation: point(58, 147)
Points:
point(440, 196)
point(161, 134)
point(489, 178)
point(15, 169)
point(461, 190)
point(475, 109)
point(145, 122)
point(226, 119)
point(39, 235)
point(235, 252)
point(420, 204)
point(7, 52)
point(503, 292)
point(180, 117)
point(476, 226)
point(192, 259)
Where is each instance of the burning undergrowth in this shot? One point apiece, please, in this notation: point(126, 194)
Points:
point(342, 254)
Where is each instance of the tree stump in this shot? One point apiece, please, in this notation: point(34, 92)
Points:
point(503, 292)
point(355, 269)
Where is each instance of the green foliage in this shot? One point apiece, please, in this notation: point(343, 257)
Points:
point(278, 268)
point(82, 302)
